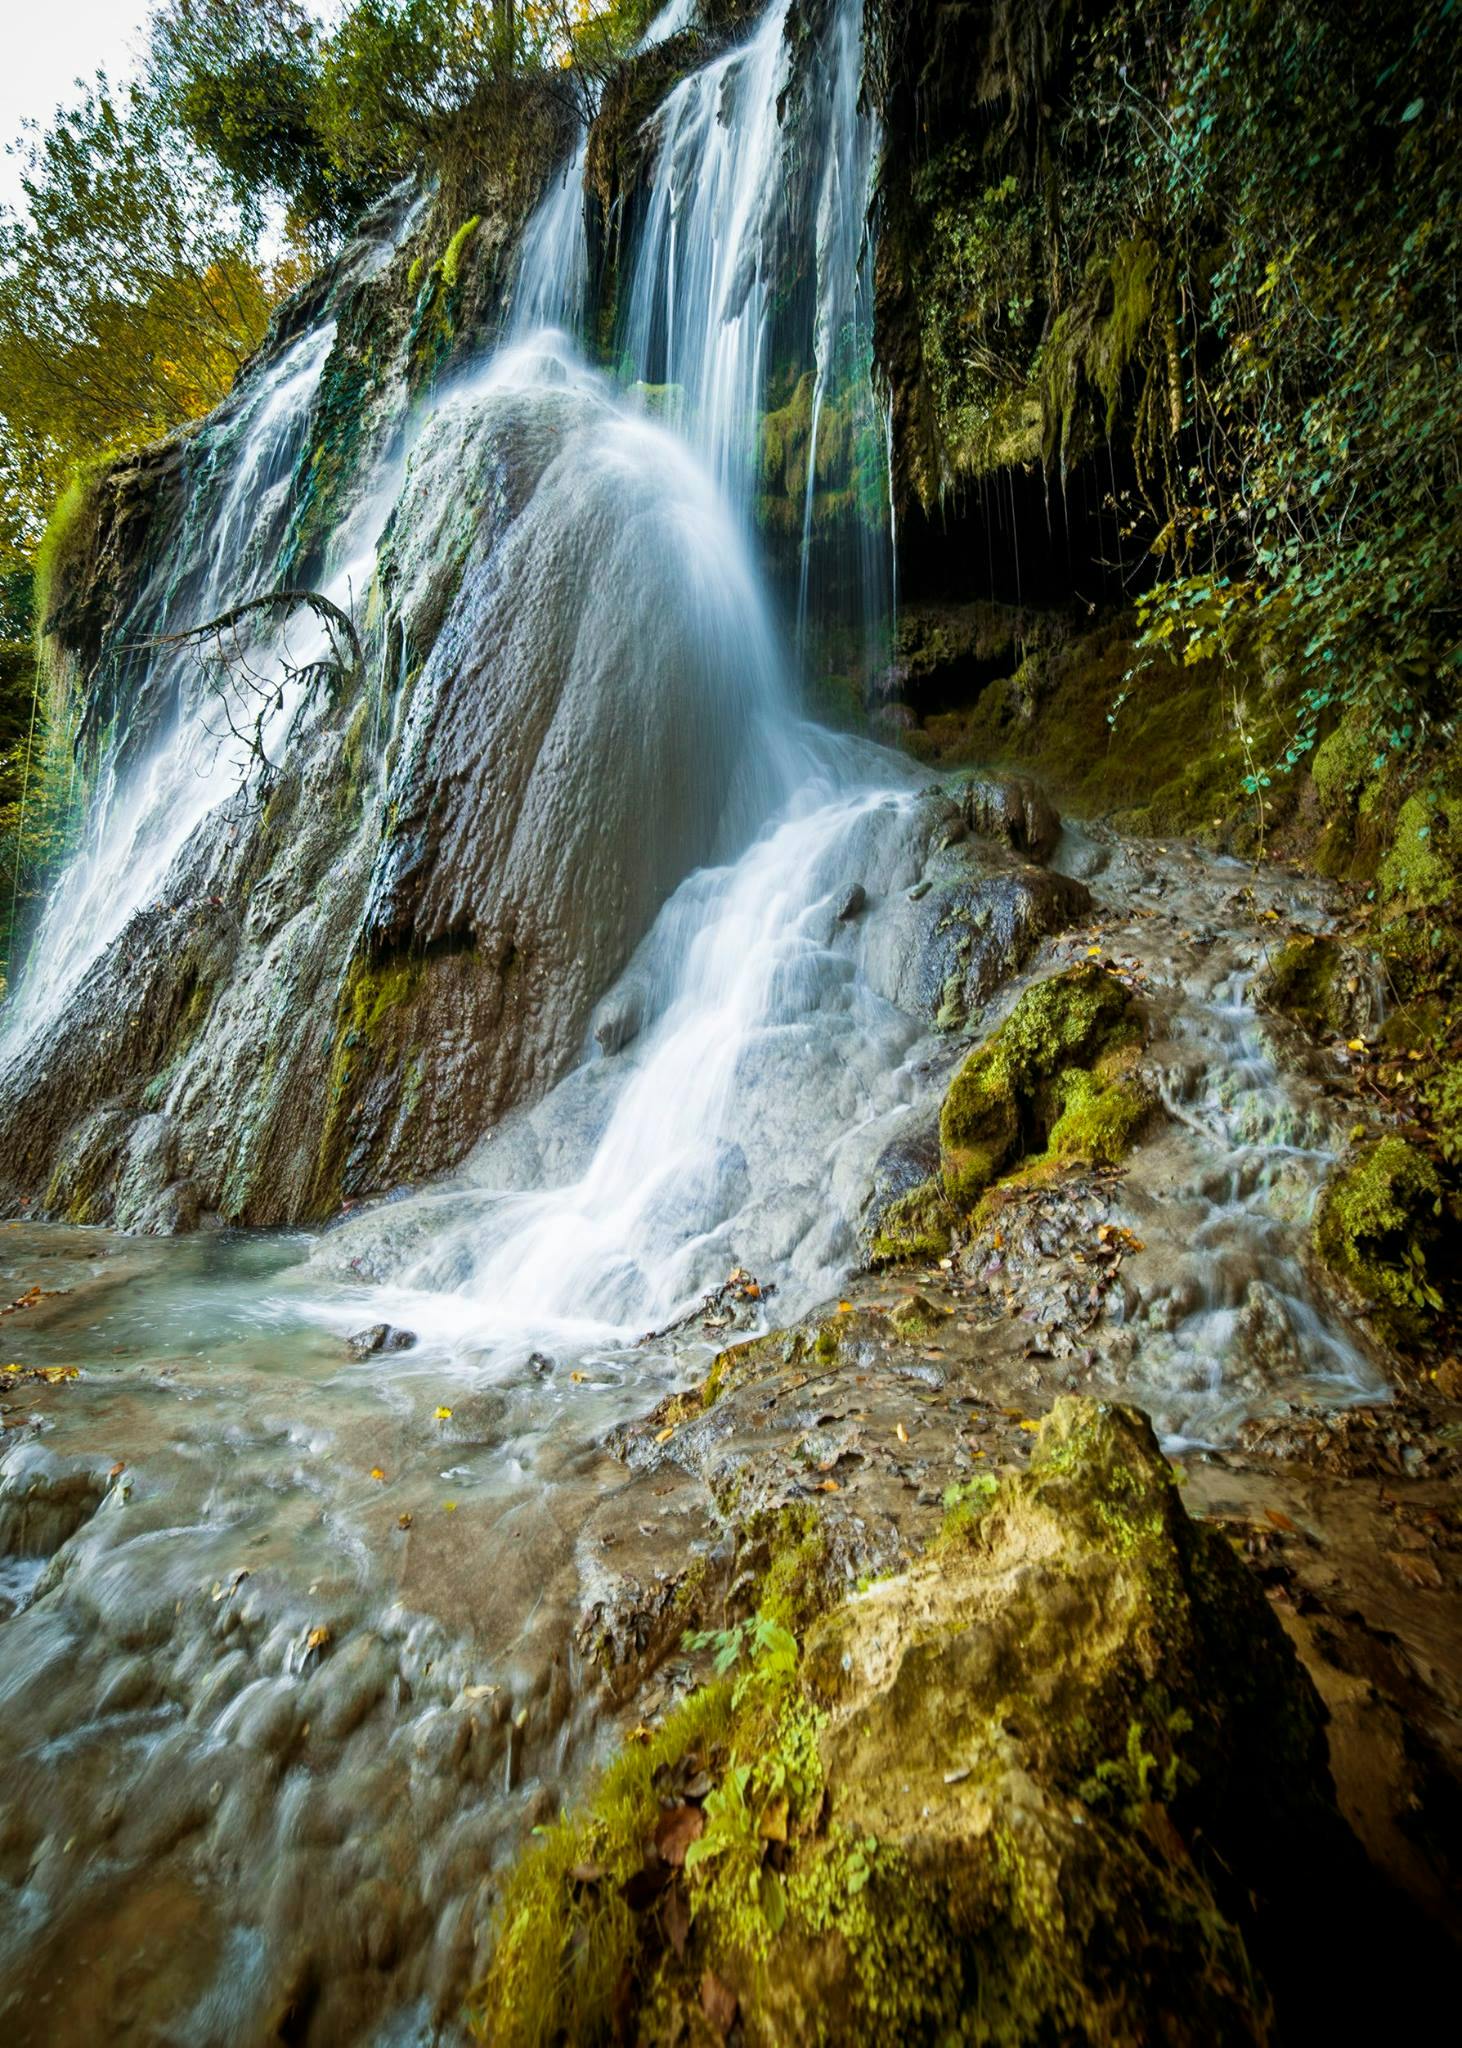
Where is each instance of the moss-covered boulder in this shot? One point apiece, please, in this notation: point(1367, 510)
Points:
point(1051, 1079)
point(1329, 989)
point(1051, 1785)
point(1380, 1223)
point(1053, 1087)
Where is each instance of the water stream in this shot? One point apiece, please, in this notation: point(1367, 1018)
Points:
point(285, 1633)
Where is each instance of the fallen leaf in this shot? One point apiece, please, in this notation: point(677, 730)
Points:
point(578, 1377)
point(317, 1637)
point(403, 1521)
point(1026, 1423)
point(718, 2003)
point(117, 1469)
point(663, 1436)
point(845, 1308)
point(676, 1919)
point(902, 1434)
point(376, 1472)
point(828, 1486)
point(1280, 1521)
point(444, 1415)
point(676, 1830)
point(640, 1733)
point(449, 1506)
point(1355, 1045)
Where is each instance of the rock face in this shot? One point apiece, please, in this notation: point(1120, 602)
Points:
point(340, 987)
point(1063, 1780)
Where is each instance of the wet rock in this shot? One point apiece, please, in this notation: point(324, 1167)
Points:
point(379, 1337)
point(941, 949)
point(893, 719)
point(1067, 1768)
point(1264, 1334)
point(1330, 989)
point(1380, 1226)
point(1014, 810)
point(853, 903)
point(618, 1020)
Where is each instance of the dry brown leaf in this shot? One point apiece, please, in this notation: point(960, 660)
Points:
point(676, 1830)
point(718, 2003)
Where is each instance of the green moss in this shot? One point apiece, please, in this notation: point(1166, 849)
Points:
point(950, 1814)
point(372, 994)
point(1379, 1226)
point(1020, 1090)
point(1098, 1118)
point(451, 258)
point(1422, 867)
point(914, 1227)
point(1302, 983)
point(563, 1943)
point(793, 1589)
point(1158, 746)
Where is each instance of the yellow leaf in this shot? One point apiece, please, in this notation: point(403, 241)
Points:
point(578, 1376)
point(773, 1826)
point(903, 1434)
point(444, 1415)
point(450, 1506)
point(1356, 1045)
point(663, 1436)
point(1093, 952)
point(1030, 1425)
point(317, 1637)
point(845, 1308)
point(403, 1521)
point(376, 1472)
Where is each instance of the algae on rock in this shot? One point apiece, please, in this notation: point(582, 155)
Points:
point(1045, 1786)
point(1380, 1223)
point(1052, 1086)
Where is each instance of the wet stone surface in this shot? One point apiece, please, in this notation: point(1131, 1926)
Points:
point(298, 1646)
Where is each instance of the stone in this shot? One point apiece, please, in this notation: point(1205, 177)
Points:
point(379, 1337)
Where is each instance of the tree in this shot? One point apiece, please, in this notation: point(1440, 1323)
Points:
point(242, 79)
point(130, 296)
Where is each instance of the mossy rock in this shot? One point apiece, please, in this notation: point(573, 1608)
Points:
point(1324, 987)
point(1051, 1080)
point(1424, 864)
point(916, 1225)
point(1033, 1790)
point(1379, 1226)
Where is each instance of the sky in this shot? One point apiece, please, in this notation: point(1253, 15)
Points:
point(48, 43)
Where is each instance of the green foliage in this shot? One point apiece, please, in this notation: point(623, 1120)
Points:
point(1229, 241)
point(1301, 170)
point(1141, 1777)
point(129, 298)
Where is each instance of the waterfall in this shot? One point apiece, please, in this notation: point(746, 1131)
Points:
point(750, 1023)
point(580, 711)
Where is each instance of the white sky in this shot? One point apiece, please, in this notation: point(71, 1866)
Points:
point(47, 44)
